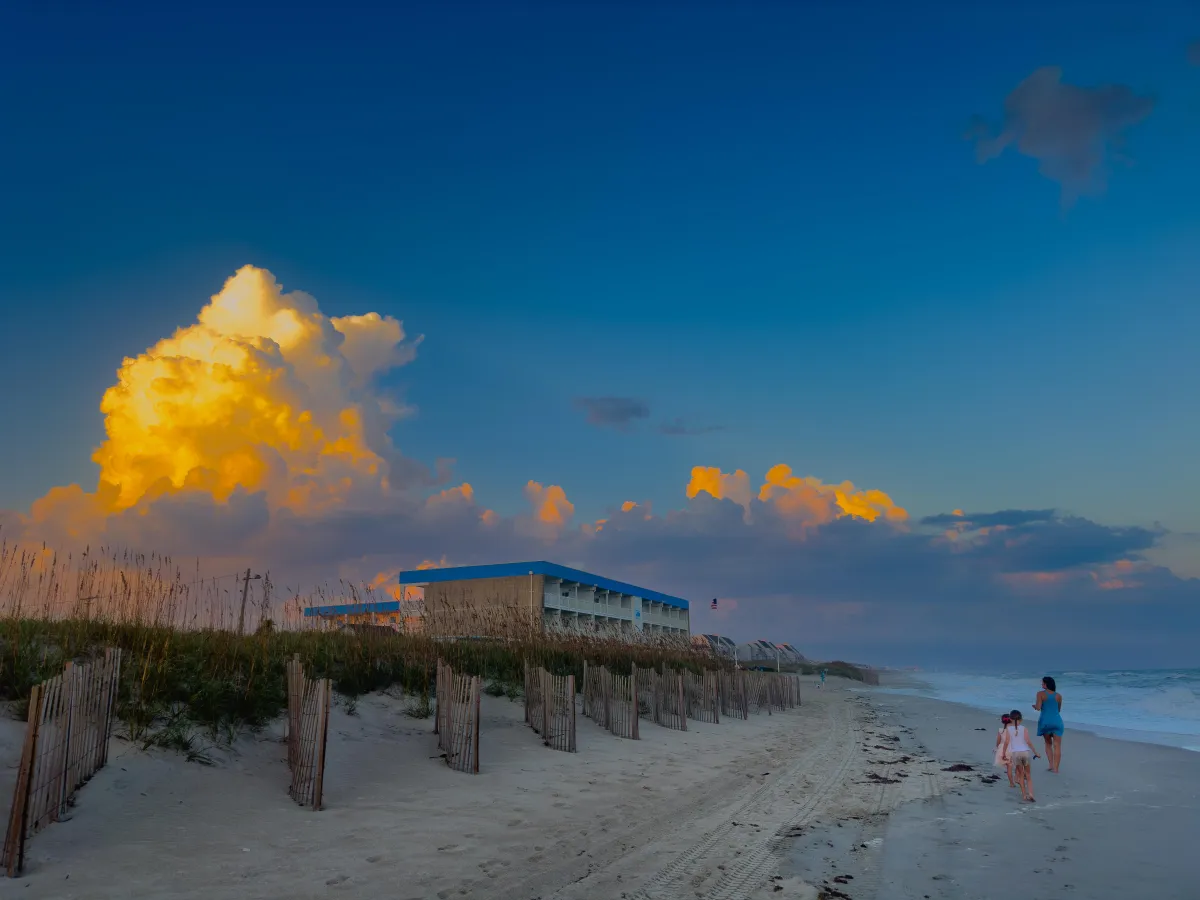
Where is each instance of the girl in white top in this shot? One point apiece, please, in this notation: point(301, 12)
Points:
point(999, 758)
point(1019, 748)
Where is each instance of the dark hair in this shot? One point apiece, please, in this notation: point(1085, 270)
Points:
point(1015, 715)
point(1049, 683)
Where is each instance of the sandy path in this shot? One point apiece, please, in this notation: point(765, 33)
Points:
point(704, 813)
point(829, 766)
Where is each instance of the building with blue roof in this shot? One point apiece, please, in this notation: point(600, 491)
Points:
point(510, 598)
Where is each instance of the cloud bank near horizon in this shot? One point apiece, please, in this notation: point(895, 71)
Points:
point(260, 435)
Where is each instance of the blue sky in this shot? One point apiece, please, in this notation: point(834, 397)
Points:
point(764, 218)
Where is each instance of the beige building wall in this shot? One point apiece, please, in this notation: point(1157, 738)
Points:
point(484, 607)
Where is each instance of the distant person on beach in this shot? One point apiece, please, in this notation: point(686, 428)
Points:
point(1018, 748)
point(1000, 759)
point(1050, 723)
point(822, 684)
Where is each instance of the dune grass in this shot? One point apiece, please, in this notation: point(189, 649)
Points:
point(187, 668)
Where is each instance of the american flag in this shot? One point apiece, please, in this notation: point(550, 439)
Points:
point(714, 603)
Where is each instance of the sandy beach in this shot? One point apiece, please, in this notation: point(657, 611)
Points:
point(1117, 822)
point(846, 796)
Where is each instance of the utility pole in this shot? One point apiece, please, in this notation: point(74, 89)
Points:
point(245, 593)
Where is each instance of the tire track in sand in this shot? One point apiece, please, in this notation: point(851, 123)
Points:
point(570, 879)
point(755, 865)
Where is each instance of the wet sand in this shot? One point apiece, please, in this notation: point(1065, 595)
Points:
point(1119, 822)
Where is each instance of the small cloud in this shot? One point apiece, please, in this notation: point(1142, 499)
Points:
point(1008, 518)
point(613, 412)
point(680, 428)
point(1071, 131)
point(550, 503)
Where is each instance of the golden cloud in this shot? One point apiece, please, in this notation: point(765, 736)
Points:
point(264, 393)
point(550, 504)
point(807, 500)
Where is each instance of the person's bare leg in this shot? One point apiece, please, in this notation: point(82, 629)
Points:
point(1008, 767)
point(1029, 781)
point(1057, 751)
point(1049, 739)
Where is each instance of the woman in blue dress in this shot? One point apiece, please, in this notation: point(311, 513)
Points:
point(1050, 723)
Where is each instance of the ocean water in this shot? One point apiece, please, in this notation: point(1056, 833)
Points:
point(1160, 706)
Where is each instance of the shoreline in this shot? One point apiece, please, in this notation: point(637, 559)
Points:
point(897, 684)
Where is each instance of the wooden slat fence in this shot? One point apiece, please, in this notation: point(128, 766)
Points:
point(703, 695)
point(534, 707)
point(611, 701)
point(773, 691)
point(735, 694)
point(670, 710)
point(593, 695)
point(457, 721)
point(787, 691)
point(759, 695)
point(66, 743)
point(550, 707)
point(646, 683)
point(308, 733)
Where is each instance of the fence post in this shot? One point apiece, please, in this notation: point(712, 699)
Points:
point(18, 819)
point(475, 735)
point(682, 710)
point(112, 662)
point(63, 758)
point(547, 685)
point(437, 701)
point(318, 788)
point(571, 694)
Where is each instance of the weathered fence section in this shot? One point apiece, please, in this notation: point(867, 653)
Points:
point(550, 707)
point(646, 685)
point(66, 743)
point(670, 710)
point(772, 691)
point(735, 694)
point(592, 694)
point(759, 696)
point(703, 696)
point(622, 707)
point(611, 701)
point(457, 721)
point(534, 708)
point(785, 691)
point(308, 733)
